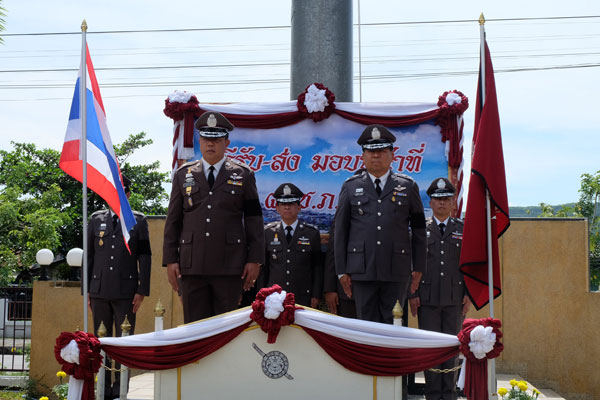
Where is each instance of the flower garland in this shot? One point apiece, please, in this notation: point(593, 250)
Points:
point(479, 341)
point(272, 309)
point(316, 102)
point(452, 102)
point(79, 356)
point(183, 106)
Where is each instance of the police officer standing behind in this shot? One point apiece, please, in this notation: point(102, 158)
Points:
point(214, 228)
point(293, 258)
point(441, 302)
point(118, 280)
point(374, 249)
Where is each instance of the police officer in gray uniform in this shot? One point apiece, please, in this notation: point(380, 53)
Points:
point(379, 232)
point(293, 258)
point(441, 302)
point(214, 235)
point(118, 281)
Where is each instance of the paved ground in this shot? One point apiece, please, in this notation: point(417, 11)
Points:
point(141, 387)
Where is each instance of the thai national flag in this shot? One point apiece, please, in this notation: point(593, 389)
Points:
point(103, 173)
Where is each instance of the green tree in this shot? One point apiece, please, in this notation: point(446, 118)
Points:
point(564, 211)
point(41, 206)
point(589, 194)
point(2, 21)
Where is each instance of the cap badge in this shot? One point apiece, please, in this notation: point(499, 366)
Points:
point(212, 121)
point(441, 184)
point(375, 134)
point(287, 190)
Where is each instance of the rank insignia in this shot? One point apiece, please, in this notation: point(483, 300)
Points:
point(232, 182)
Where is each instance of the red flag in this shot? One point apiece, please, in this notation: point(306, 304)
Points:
point(487, 173)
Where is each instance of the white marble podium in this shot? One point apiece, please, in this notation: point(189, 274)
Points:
point(295, 367)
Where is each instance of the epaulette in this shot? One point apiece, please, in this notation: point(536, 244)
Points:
point(404, 176)
point(310, 226)
point(239, 163)
point(99, 212)
point(141, 214)
point(188, 164)
point(271, 224)
point(457, 220)
point(355, 177)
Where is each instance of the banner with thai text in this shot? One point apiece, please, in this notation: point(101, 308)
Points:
point(319, 156)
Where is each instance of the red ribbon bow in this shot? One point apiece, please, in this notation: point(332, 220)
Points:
point(273, 326)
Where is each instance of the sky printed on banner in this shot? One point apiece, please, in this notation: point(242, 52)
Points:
point(546, 71)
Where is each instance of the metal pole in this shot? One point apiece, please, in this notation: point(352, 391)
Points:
point(359, 59)
point(322, 46)
point(488, 205)
point(124, 382)
point(83, 102)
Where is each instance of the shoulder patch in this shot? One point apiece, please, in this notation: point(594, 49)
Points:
point(188, 164)
point(239, 163)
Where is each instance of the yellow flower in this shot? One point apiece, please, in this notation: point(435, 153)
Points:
point(536, 391)
point(12, 350)
point(523, 386)
point(44, 398)
point(61, 374)
point(513, 382)
point(502, 391)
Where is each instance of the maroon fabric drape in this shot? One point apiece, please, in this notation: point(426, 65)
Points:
point(388, 121)
point(264, 121)
point(173, 356)
point(380, 361)
point(188, 130)
point(90, 359)
point(476, 372)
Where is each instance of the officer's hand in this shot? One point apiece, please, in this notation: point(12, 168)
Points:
point(416, 279)
point(414, 303)
point(173, 274)
point(346, 284)
point(314, 302)
point(251, 271)
point(466, 305)
point(89, 303)
point(332, 300)
point(137, 302)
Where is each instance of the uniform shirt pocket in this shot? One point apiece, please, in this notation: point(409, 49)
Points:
point(355, 259)
point(359, 205)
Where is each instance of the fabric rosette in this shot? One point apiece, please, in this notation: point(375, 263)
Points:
point(272, 309)
point(183, 106)
point(479, 341)
point(316, 102)
point(452, 102)
point(79, 356)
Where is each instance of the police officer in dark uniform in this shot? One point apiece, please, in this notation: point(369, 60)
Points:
point(375, 251)
point(214, 232)
point(293, 258)
point(336, 300)
point(118, 281)
point(441, 302)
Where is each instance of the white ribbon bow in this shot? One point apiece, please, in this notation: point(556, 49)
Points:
point(453, 98)
point(70, 353)
point(274, 304)
point(179, 96)
point(482, 341)
point(315, 99)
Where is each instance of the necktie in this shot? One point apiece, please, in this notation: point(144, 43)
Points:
point(115, 221)
point(288, 235)
point(377, 187)
point(211, 176)
point(442, 226)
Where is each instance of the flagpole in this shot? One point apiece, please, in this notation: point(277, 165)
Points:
point(488, 215)
point(83, 103)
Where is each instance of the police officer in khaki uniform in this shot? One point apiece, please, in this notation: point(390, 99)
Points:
point(293, 258)
point(375, 251)
point(213, 239)
point(441, 302)
point(118, 281)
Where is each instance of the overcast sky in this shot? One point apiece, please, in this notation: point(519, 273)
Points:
point(548, 107)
